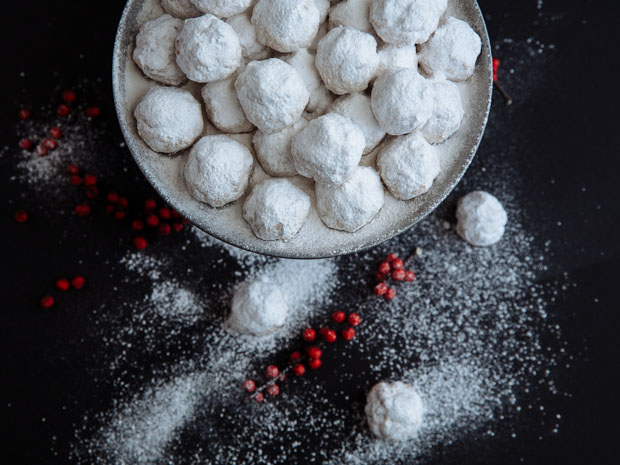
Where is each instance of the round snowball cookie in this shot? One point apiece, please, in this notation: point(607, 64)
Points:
point(258, 308)
point(155, 54)
point(169, 119)
point(272, 94)
point(402, 101)
point(218, 170)
point(357, 108)
point(408, 166)
point(208, 49)
point(276, 209)
point(223, 108)
point(406, 22)
point(354, 203)
point(394, 411)
point(274, 150)
point(286, 25)
point(222, 8)
point(481, 219)
point(447, 112)
point(392, 58)
point(328, 149)
point(452, 51)
point(320, 97)
point(323, 7)
point(347, 60)
point(251, 48)
point(180, 9)
point(351, 13)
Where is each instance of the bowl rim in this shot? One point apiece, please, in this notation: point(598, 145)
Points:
point(407, 221)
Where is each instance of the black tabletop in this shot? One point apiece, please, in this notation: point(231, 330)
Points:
point(558, 143)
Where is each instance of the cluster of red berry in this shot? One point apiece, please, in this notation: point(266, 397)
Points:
point(164, 219)
point(311, 355)
point(63, 285)
point(392, 268)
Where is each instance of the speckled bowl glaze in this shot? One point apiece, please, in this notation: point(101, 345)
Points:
point(314, 240)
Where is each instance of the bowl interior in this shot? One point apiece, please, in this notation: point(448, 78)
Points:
point(314, 240)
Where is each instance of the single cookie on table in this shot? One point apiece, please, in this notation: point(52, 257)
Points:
point(274, 150)
point(481, 219)
point(208, 49)
point(217, 170)
point(408, 165)
point(347, 60)
point(394, 411)
point(272, 94)
point(351, 13)
point(286, 25)
point(392, 57)
point(447, 113)
point(354, 203)
point(169, 119)
point(357, 108)
point(402, 101)
point(223, 108)
point(406, 22)
point(452, 51)
point(276, 209)
point(251, 48)
point(222, 8)
point(304, 62)
point(328, 149)
point(258, 308)
point(155, 51)
point(182, 9)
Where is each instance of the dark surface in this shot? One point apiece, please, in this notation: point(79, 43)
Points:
point(562, 132)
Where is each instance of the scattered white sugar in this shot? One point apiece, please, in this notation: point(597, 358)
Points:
point(171, 300)
point(145, 264)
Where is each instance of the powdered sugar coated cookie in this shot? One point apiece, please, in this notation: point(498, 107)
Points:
point(481, 218)
point(222, 8)
point(392, 57)
point(251, 48)
point(182, 9)
point(320, 97)
point(357, 108)
point(351, 13)
point(447, 112)
point(274, 150)
point(394, 411)
point(223, 108)
point(258, 308)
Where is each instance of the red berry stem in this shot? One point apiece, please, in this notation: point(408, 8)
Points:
point(498, 86)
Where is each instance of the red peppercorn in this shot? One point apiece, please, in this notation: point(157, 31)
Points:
point(299, 369)
point(41, 150)
point(137, 225)
point(82, 209)
point(398, 275)
point(120, 215)
point(338, 317)
point(78, 282)
point(55, 132)
point(73, 169)
point(309, 334)
point(314, 352)
point(397, 264)
point(322, 331)
point(271, 371)
point(20, 216)
point(62, 110)
point(354, 319)
point(123, 202)
point(150, 205)
point(380, 289)
point(90, 180)
point(384, 267)
point(110, 208)
point(165, 229)
point(76, 180)
point(112, 197)
point(391, 256)
point(23, 113)
point(348, 334)
point(68, 96)
point(164, 213)
point(248, 385)
point(175, 214)
point(409, 276)
point(273, 390)
point(390, 293)
point(50, 144)
point(63, 284)
point(140, 242)
point(25, 144)
point(152, 221)
point(92, 112)
point(259, 397)
point(294, 356)
point(330, 336)
point(380, 276)
point(314, 363)
point(92, 192)
point(47, 301)
point(177, 227)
